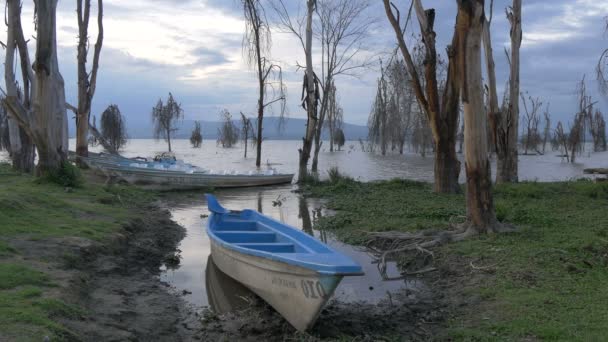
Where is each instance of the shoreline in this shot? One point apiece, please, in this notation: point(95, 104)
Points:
point(86, 285)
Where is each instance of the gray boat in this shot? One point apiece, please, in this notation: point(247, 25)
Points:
point(171, 176)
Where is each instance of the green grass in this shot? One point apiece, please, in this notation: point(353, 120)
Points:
point(25, 313)
point(42, 209)
point(551, 279)
point(39, 209)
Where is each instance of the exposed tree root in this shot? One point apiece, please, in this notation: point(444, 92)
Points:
point(414, 251)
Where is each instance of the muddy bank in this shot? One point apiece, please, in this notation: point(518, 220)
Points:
point(115, 284)
point(406, 316)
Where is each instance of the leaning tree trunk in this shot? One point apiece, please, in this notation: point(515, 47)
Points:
point(480, 206)
point(508, 123)
point(46, 121)
point(311, 101)
point(21, 146)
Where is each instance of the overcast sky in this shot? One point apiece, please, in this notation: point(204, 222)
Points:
point(193, 49)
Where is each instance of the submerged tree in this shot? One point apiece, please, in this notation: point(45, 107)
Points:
point(246, 130)
point(113, 129)
point(343, 28)
point(87, 80)
point(531, 119)
point(196, 138)
point(504, 122)
point(165, 118)
point(442, 112)
point(335, 116)
point(598, 131)
point(379, 130)
point(339, 139)
point(40, 107)
point(256, 44)
point(547, 130)
point(228, 133)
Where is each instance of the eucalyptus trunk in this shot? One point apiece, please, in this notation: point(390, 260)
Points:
point(311, 101)
point(480, 205)
point(45, 121)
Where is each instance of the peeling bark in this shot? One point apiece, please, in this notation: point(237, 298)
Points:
point(45, 122)
point(480, 206)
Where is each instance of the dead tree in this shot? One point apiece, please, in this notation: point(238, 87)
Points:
point(45, 121)
point(228, 133)
point(246, 131)
point(311, 98)
point(598, 131)
point(196, 138)
point(165, 118)
point(602, 68)
point(18, 144)
point(335, 116)
point(113, 129)
point(379, 129)
point(531, 120)
point(344, 26)
point(256, 45)
point(505, 122)
point(302, 29)
point(442, 112)
point(86, 80)
point(562, 140)
point(481, 217)
point(547, 129)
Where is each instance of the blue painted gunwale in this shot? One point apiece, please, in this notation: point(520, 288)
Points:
point(251, 233)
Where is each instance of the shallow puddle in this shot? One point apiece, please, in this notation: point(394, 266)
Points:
point(203, 284)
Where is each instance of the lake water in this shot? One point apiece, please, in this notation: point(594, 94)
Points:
point(364, 166)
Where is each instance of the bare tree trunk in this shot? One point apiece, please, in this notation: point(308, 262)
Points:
point(508, 123)
point(46, 121)
point(311, 100)
point(169, 139)
point(318, 131)
point(86, 81)
point(442, 119)
point(480, 205)
point(21, 146)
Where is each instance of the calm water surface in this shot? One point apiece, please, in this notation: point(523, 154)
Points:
point(293, 210)
point(283, 155)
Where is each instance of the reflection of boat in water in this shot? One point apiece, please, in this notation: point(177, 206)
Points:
point(292, 271)
point(224, 293)
point(169, 174)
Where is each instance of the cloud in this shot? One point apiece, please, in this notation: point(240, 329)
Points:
point(193, 48)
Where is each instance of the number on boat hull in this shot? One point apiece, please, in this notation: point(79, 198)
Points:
point(313, 289)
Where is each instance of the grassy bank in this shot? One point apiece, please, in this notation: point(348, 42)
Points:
point(549, 280)
point(32, 210)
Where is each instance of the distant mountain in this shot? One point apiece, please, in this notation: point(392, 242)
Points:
point(291, 129)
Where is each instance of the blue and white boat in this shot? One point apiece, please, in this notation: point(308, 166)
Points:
point(292, 271)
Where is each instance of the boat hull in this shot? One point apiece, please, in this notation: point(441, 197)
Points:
point(297, 293)
point(176, 180)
